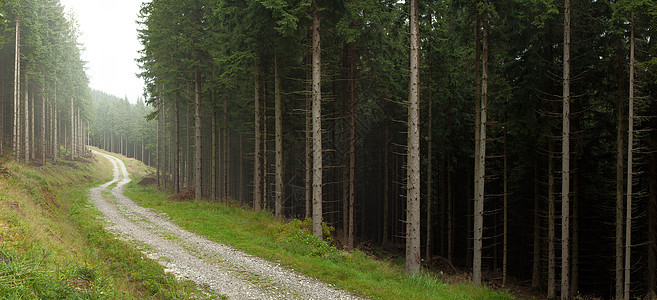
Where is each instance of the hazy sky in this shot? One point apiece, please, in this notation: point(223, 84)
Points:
point(109, 34)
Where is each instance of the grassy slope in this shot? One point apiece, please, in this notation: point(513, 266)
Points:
point(291, 243)
point(52, 244)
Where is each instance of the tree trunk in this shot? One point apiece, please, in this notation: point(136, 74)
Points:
point(536, 263)
point(43, 122)
point(386, 182)
point(176, 146)
point(317, 124)
point(257, 165)
point(213, 173)
point(278, 120)
point(450, 216)
point(26, 112)
point(308, 170)
point(429, 165)
point(506, 206)
point(158, 143)
point(32, 150)
point(352, 143)
point(574, 249)
point(652, 208)
point(2, 109)
point(480, 168)
point(55, 142)
point(619, 176)
point(17, 91)
point(551, 284)
point(265, 178)
point(565, 160)
point(72, 147)
point(630, 141)
point(226, 153)
point(413, 156)
point(197, 135)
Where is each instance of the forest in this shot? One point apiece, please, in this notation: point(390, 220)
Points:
point(512, 140)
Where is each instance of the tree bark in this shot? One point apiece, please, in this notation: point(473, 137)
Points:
point(352, 143)
point(308, 170)
point(213, 173)
point(26, 129)
point(17, 91)
point(565, 160)
point(55, 142)
point(72, 147)
point(386, 181)
point(257, 165)
point(481, 163)
point(413, 156)
point(574, 248)
point(619, 176)
point(506, 206)
point(630, 141)
point(32, 150)
point(551, 280)
point(43, 122)
point(197, 135)
point(278, 120)
point(536, 263)
point(226, 153)
point(429, 163)
point(652, 209)
point(158, 142)
point(317, 124)
point(450, 216)
point(176, 146)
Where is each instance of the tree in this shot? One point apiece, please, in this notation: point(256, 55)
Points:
point(630, 162)
point(17, 88)
point(565, 159)
point(257, 169)
point(278, 119)
point(413, 155)
point(317, 122)
point(481, 162)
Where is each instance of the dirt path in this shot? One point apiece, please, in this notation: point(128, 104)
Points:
point(223, 269)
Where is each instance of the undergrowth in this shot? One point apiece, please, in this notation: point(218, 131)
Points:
point(292, 244)
point(53, 244)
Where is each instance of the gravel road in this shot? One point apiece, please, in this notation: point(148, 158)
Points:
point(227, 271)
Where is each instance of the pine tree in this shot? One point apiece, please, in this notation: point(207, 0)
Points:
point(413, 156)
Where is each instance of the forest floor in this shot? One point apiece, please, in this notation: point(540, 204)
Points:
point(227, 271)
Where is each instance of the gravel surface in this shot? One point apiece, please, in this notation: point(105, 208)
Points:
point(227, 271)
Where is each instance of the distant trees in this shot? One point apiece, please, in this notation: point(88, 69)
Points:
point(46, 64)
point(122, 127)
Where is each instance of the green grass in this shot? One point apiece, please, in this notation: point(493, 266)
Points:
point(292, 244)
point(54, 246)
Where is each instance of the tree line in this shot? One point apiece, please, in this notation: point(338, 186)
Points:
point(122, 127)
point(45, 107)
point(306, 108)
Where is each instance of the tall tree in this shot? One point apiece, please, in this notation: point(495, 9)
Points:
point(17, 89)
point(257, 169)
point(619, 178)
point(630, 161)
point(413, 144)
point(317, 122)
point(278, 131)
point(481, 162)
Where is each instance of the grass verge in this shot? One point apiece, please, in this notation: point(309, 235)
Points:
point(53, 244)
point(292, 244)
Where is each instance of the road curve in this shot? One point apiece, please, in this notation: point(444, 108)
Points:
point(227, 271)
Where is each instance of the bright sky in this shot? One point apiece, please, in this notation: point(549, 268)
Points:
point(109, 35)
